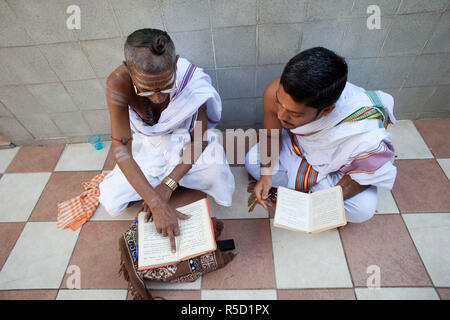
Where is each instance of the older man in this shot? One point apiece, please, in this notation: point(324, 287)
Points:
point(332, 133)
point(169, 104)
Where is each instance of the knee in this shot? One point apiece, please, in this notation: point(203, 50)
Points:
point(361, 207)
point(106, 199)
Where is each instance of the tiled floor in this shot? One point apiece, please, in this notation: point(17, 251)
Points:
point(408, 241)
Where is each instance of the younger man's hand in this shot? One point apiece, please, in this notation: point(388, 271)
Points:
point(261, 190)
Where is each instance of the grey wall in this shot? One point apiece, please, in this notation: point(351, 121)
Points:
point(52, 79)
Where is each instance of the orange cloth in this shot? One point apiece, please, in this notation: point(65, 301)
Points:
point(75, 212)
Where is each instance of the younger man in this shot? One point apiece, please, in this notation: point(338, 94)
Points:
point(333, 133)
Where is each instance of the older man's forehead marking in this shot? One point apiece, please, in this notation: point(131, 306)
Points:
point(154, 84)
point(152, 76)
point(154, 80)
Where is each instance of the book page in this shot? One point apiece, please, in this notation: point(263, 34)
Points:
point(154, 249)
point(195, 233)
point(196, 236)
point(292, 209)
point(327, 208)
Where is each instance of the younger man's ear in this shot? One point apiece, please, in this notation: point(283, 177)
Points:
point(326, 111)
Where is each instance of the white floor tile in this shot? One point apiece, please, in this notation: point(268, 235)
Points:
point(239, 209)
point(92, 294)
point(6, 156)
point(445, 165)
point(238, 295)
point(408, 142)
point(83, 156)
point(386, 202)
point(431, 235)
point(396, 294)
point(19, 193)
point(309, 260)
point(40, 257)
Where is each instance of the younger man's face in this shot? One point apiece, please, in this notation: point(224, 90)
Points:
point(293, 114)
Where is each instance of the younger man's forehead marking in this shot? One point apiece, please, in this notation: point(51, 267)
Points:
point(284, 106)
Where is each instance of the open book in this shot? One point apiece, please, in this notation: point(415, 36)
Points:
point(310, 212)
point(196, 238)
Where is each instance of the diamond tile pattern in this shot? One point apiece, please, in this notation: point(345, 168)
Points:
point(407, 238)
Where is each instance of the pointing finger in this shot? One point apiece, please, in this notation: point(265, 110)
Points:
point(172, 241)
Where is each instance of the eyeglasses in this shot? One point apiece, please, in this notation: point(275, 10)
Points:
point(150, 93)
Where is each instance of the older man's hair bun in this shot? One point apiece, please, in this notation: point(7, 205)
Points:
point(150, 50)
point(159, 45)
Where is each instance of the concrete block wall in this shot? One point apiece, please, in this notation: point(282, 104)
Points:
point(52, 79)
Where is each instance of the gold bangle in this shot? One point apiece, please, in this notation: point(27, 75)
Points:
point(172, 184)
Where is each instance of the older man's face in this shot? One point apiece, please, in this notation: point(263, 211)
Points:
point(153, 85)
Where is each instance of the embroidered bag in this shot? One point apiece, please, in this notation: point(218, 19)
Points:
point(184, 271)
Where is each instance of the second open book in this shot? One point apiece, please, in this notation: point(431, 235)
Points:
point(310, 212)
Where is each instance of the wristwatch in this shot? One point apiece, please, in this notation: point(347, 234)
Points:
point(172, 184)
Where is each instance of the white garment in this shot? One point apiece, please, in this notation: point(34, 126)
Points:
point(336, 146)
point(158, 149)
point(359, 208)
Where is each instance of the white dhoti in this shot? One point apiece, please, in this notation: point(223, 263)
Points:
point(157, 156)
point(358, 208)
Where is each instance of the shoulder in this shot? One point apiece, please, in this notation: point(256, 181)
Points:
point(119, 79)
point(272, 88)
point(269, 96)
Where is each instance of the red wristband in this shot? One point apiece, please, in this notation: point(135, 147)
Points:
point(124, 141)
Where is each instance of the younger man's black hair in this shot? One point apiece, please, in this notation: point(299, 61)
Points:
point(316, 77)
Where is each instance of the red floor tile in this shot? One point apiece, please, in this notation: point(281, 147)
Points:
point(421, 186)
point(383, 241)
point(97, 254)
point(9, 233)
point(435, 132)
point(36, 158)
point(317, 294)
point(444, 293)
point(61, 186)
point(28, 295)
point(252, 268)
